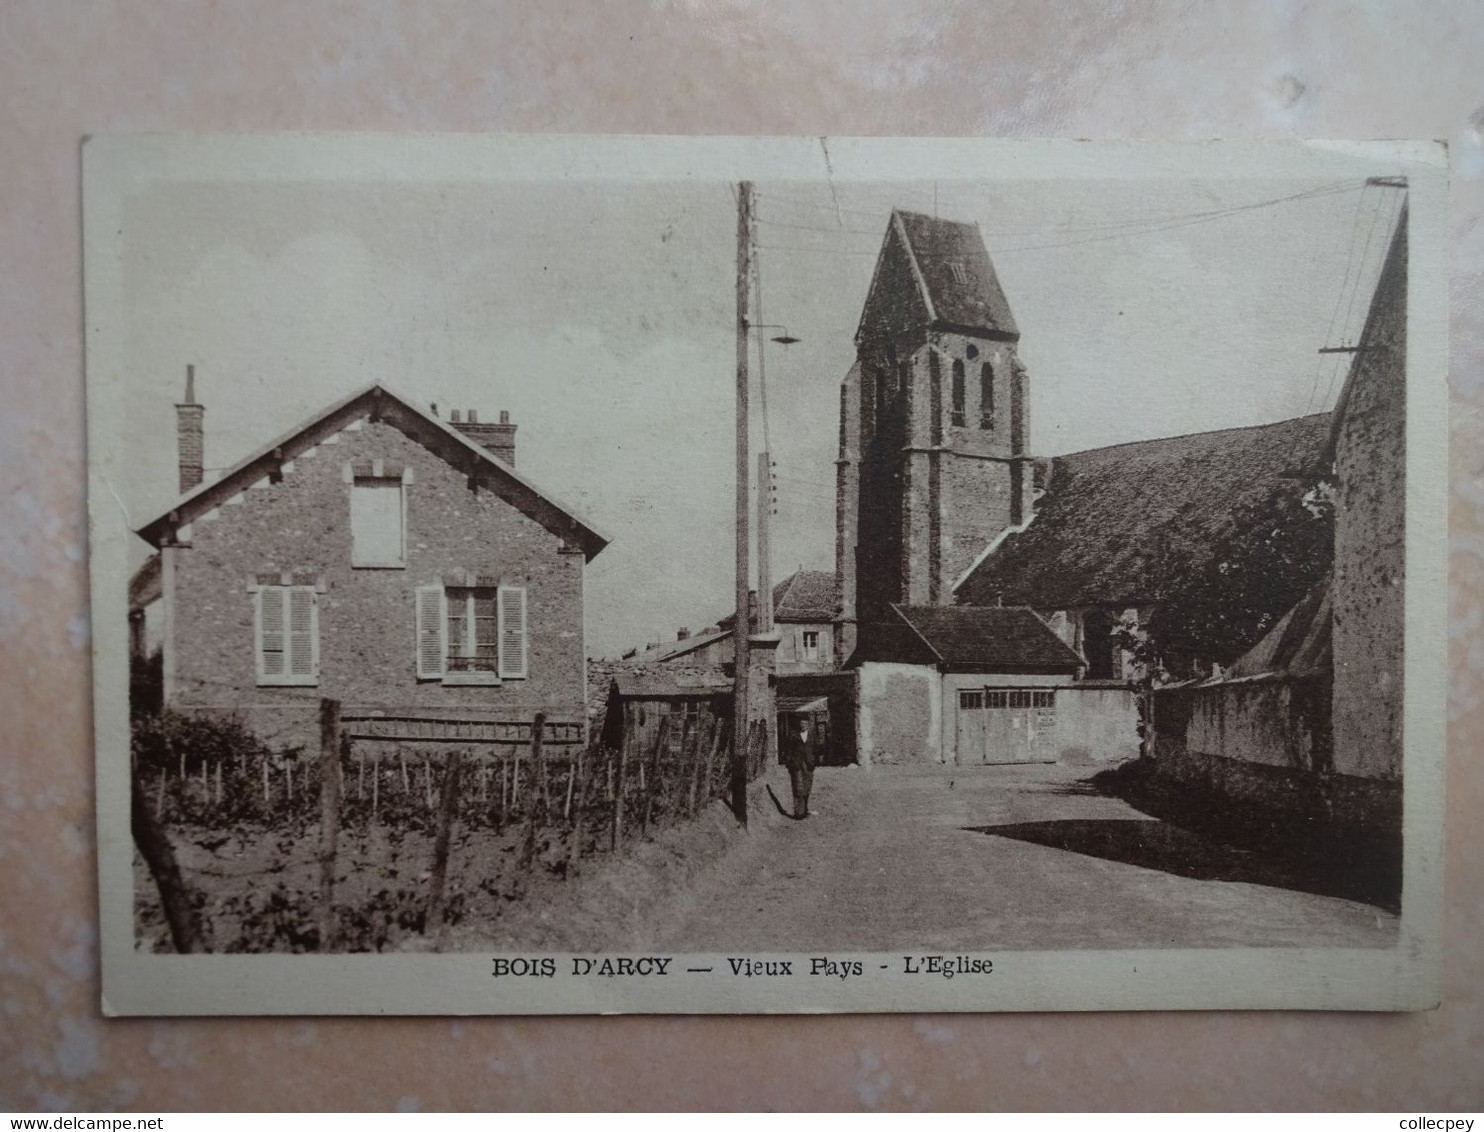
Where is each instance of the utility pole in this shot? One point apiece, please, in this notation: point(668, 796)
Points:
point(764, 547)
point(764, 472)
point(740, 731)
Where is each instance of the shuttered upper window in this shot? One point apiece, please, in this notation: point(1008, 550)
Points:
point(809, 644)
point(471, 634)
point(286, 635)
point(376, 521)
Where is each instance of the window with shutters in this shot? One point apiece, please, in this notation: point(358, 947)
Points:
point(471, 634)
point(809, 644)
point(473, 631)
point(377, 519)
point(286, 635)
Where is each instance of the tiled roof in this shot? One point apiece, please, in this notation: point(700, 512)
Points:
point(1119, 525)
point(892, 640)
point(993, 638)
point(954, 265)
point(807, 595)
point(669, 650)
point(681, 683)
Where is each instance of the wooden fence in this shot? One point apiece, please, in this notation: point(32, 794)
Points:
point(582, 798)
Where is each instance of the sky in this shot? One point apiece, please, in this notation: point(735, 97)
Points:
point(602, 317)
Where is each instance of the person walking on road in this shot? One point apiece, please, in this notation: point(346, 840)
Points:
point(797, 755)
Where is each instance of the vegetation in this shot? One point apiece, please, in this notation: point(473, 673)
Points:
point(1276, 550)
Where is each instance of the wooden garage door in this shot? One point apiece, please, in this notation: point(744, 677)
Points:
point(1006, 725)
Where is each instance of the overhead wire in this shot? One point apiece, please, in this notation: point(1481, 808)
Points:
point(1206, 217)
point(1319, 359)
point(1103, 231)
point(882, 215)
point(1353, 337)
point(1141, 222)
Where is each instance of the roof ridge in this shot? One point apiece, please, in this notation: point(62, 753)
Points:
point(912, 261)
point(789, 582)
point(1185, 436)
point(936, 219)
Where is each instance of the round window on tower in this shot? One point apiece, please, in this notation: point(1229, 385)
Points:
point(973, 352)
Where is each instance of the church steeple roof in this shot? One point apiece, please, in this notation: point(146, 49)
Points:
point(954, 271)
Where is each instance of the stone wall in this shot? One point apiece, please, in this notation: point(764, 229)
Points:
point(1267, 743)
point(1096, 724)
point(1370, 535)
point(847, 503)
point(899, 714)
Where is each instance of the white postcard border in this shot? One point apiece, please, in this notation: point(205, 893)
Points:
point(1405, 977)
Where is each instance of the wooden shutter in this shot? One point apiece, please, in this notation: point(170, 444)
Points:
point(432, 625)
point(512, 632)
point(272, 658)
point(303, 634)
point(376, 537)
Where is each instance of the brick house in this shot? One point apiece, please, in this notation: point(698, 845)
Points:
point(378, 555)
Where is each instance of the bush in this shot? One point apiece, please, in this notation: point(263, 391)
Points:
point(174, 744)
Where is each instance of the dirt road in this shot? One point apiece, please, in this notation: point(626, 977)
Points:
point(1021, 857)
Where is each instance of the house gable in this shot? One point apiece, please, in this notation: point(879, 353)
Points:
point(273, 462)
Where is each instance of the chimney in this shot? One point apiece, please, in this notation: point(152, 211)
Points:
point(498, 438)
point(682, 634)
point(190, 436)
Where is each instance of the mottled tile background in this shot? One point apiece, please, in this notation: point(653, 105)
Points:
point(688, 66)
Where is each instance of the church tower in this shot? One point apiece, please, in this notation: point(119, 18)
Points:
point(933, 423)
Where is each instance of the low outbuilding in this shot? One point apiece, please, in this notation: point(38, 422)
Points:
point(981, 684)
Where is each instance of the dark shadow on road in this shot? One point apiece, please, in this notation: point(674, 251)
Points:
point(1152, 844)
point(1211, 838)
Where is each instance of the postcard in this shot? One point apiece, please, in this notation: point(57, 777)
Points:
point(649, 574)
